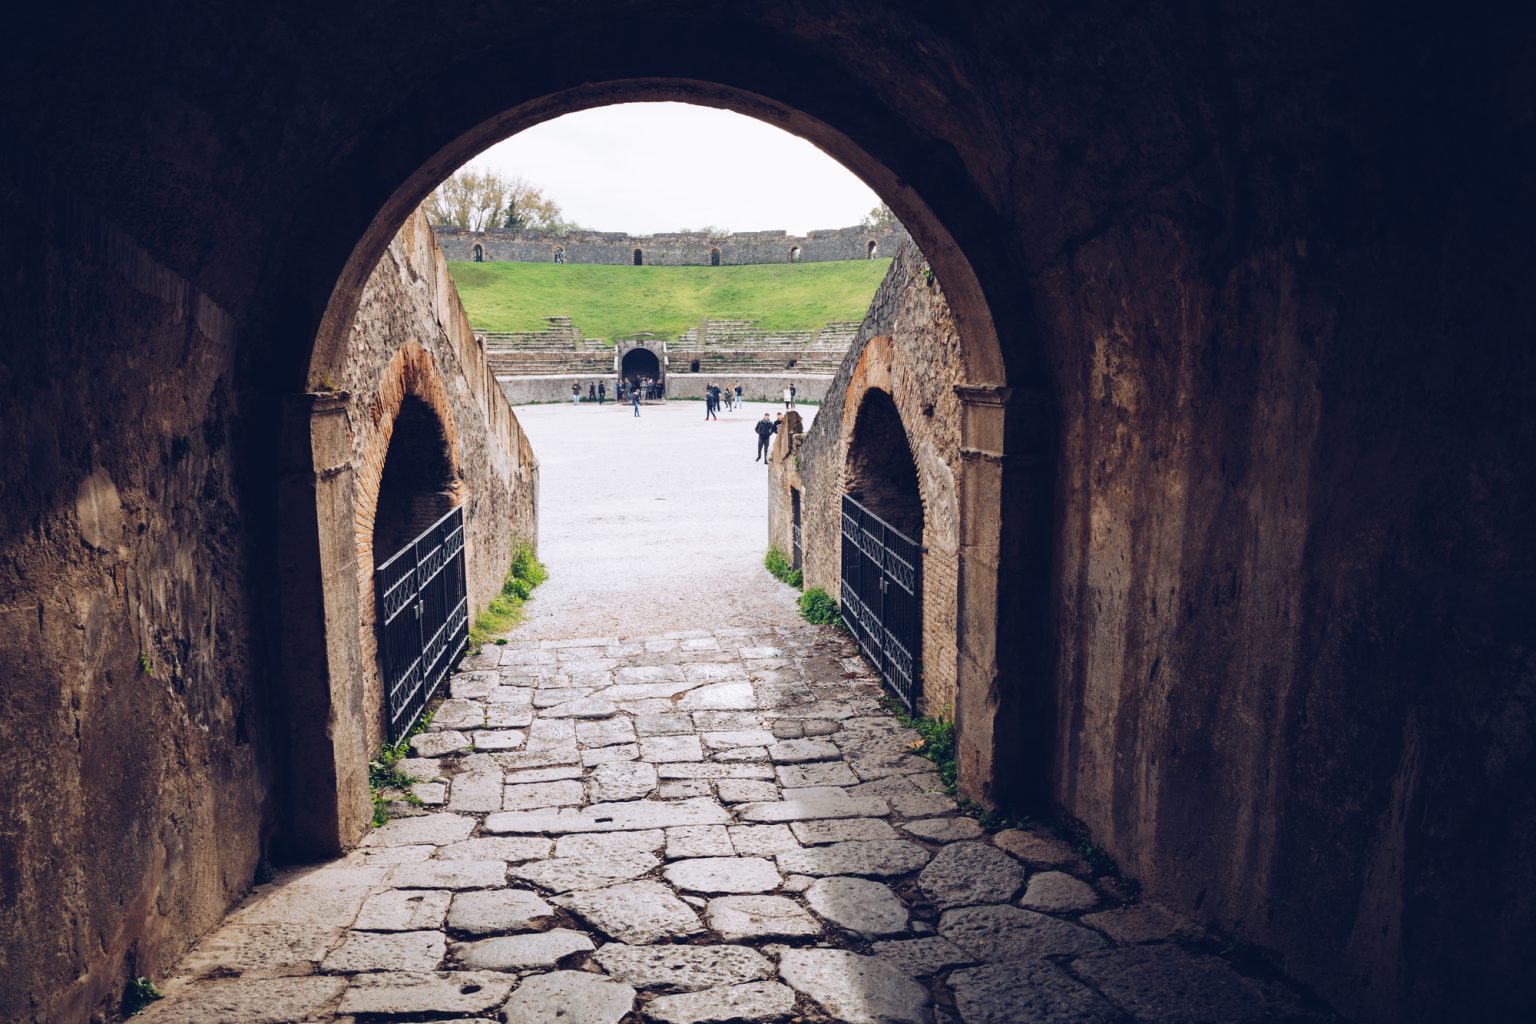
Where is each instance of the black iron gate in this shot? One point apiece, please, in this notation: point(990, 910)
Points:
point(883, 597)
point(423, 619)
point(796, 552)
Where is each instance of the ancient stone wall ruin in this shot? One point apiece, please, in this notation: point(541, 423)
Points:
point(669, 250)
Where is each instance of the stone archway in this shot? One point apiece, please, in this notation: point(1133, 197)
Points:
point(640, 363)
point(881, 472)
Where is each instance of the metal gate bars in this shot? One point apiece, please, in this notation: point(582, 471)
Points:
point(423, 619)
point(882, 598)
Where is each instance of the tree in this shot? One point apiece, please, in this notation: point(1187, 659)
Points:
point(475, 200)
point(880, 219)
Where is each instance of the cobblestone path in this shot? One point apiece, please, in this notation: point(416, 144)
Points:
point(693, 827)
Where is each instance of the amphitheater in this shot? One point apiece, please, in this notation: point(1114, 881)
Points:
point(541, 366)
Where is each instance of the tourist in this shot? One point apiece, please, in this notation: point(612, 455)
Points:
point(764, 430)
point(793, 391)
point(789, 396)
point(602, 392)
point(709, 403)
point(778, 421)
point(591, 392)
point(634, 398)
point(738, 396)
point(575, 394)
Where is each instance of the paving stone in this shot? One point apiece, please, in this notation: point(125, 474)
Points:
point(404, 911)
point(282, 904)
point(609, 755)
point(788, 729)
point(858, 905)
point(741, 791)
point(797, 883)
point(723, 875)
point(249, 1001)
point(814, 803)
point(376, 855)
point(921, 958)
point(699, 841)
point(458, 713)
point(796, 751)
point(683, 968)
point(439, 744)
point(475, 791)
point(964, 874)
point(570, 997)
point(553, 774)
point(431, 794)
point(438, 992)
point(662, 725)
point(921, 805)
point(422, 769)
point(944, 830)
point(855, 989)
point(605, 733)
point(449, 874)
point(634, 912)
point(530, 657)
point(1165, 983)
point(881, 858)
point(762, 840)
point(632, 695)
point(736, 918)
point(511, 849)
point(1140, 922)
point(736, 738)
point(471, 685)
point(585, 707)
point(515, 696)
point(1034, 990)
point(701, 643)
point(563, 874)
point(1005, 934)
point(692, 770)
point(522, 952)
point(262, 950)
point(387, 951)
point(572, 642)
point(718, 697)
point(820, 727)
point(610, 844)
point(434, 829)
point(546, 697)
point(671, 748)
point(826, 773)
point(1033, 848)
point(497, 740)
point(843, 830)
point(753, 653)
point(726, 721)
point(621, 780)
point(754, 1001)
point(643, 674)
point(683, 789)
point(508, 708)
point(610, 817)
point(493, 911)
point(534, 795)
point(1056, 892)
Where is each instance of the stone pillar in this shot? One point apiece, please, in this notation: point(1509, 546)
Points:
point(1003, 715)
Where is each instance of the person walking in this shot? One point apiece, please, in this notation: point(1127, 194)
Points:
point(764, 430)
point(634, 399)
point(602, 392)
point(738, 396)
point(788, 397)
point(709, 404)
point(591, 392)
point(793, 391)
point(575, 394)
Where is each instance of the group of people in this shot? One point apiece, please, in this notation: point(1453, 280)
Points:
point(643, 388)
point(766, 428)
point(595, 392)
point(717, 397)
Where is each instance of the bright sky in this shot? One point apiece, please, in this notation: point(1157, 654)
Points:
point(659, 167)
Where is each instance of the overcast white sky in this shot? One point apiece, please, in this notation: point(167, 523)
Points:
point(656, 167)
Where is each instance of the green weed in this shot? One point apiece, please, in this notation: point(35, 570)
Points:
point(384, 772)
point(818, 607)
point(141, 992)
point(506, 608)
point(777, 563)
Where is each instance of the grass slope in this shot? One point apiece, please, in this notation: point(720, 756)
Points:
point(609, 302)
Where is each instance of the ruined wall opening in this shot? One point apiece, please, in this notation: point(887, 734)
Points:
point(559, 254)
point(881, 474)
point(479, 253)
point(714, 257)
point(640, 364)
point(794, 254)
point(872, 250)
point(417, 487)
point(639, 258)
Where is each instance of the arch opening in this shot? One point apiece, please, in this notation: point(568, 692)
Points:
point(479, 253)
point(881, 474)
point(640, 364)
point(794, 254)
point(872, 250)
point(714, 257)
point(639, 258)
point(417, 486)
point(559, 254)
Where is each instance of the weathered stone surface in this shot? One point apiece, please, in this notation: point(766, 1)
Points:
point(475, 791)
point(963, 874)
point(796, 751)
point(439, 992)
point(879, 858)
point(449, 874)
point(609, 755)
point(755, 1001)
point(458, 713)
point(404, 910)
point(605, 733)
point(1056, 892)
point(535, 795)
point(699, 841)
point(570, 997)
point(944, 830)
point(492, 911)
point(762, 840)
point(263, 950)
point(732, 739)
point(825, 773)
point(1034, 848)
point(723, 875)
point(439, 744)
point(1140, 922)
point(431, 794)
point(683, 789)
point(610, 844)
point(280, 904)
point(249, 1001)
point(1034, 990)
point(759, 917)
point(844, 830)
point(555, 773)
point(857, 905)
point(810, 804)
point(434, 829)
point(510, 849)
point(498, 739)
point(671, 748)
point(585, 707)
point(387, 951)
point(634, 912)
point(520, 952)
point(1003, 934)
point(662, 725)
point(920, 958)
point(1163, 982)
point(726, 721)
point(855, 989)
point(563, 874)
point(714, 770)
point(718, 697)
point(621, 780)
point(610, 817)
point(678, 968)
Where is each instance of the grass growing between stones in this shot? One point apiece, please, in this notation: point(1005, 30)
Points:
point(818, 607)
point(141, 992)
point(777, 563)
point(506, 608)
point(610, 302)
point(386, 781)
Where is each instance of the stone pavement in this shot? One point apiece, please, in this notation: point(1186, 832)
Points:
point(687, 828)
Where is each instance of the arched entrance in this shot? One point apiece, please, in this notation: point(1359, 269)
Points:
point(714, 257)
point(417, 487)
point(639, 364)
point(479, 253)
point(882, 548)
point(639, 258)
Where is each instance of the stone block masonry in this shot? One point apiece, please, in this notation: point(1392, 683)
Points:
point(688, 249)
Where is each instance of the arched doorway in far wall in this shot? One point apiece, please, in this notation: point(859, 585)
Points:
point(640, 364)
point(479, 254)
point(714, 257)
point(639, 258)
point(872, 250)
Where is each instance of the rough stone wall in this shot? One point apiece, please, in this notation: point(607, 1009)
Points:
point(411, 337)
point(670, 250)
point(909, 348)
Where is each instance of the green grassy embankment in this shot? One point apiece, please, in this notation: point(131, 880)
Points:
point(610, 302)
